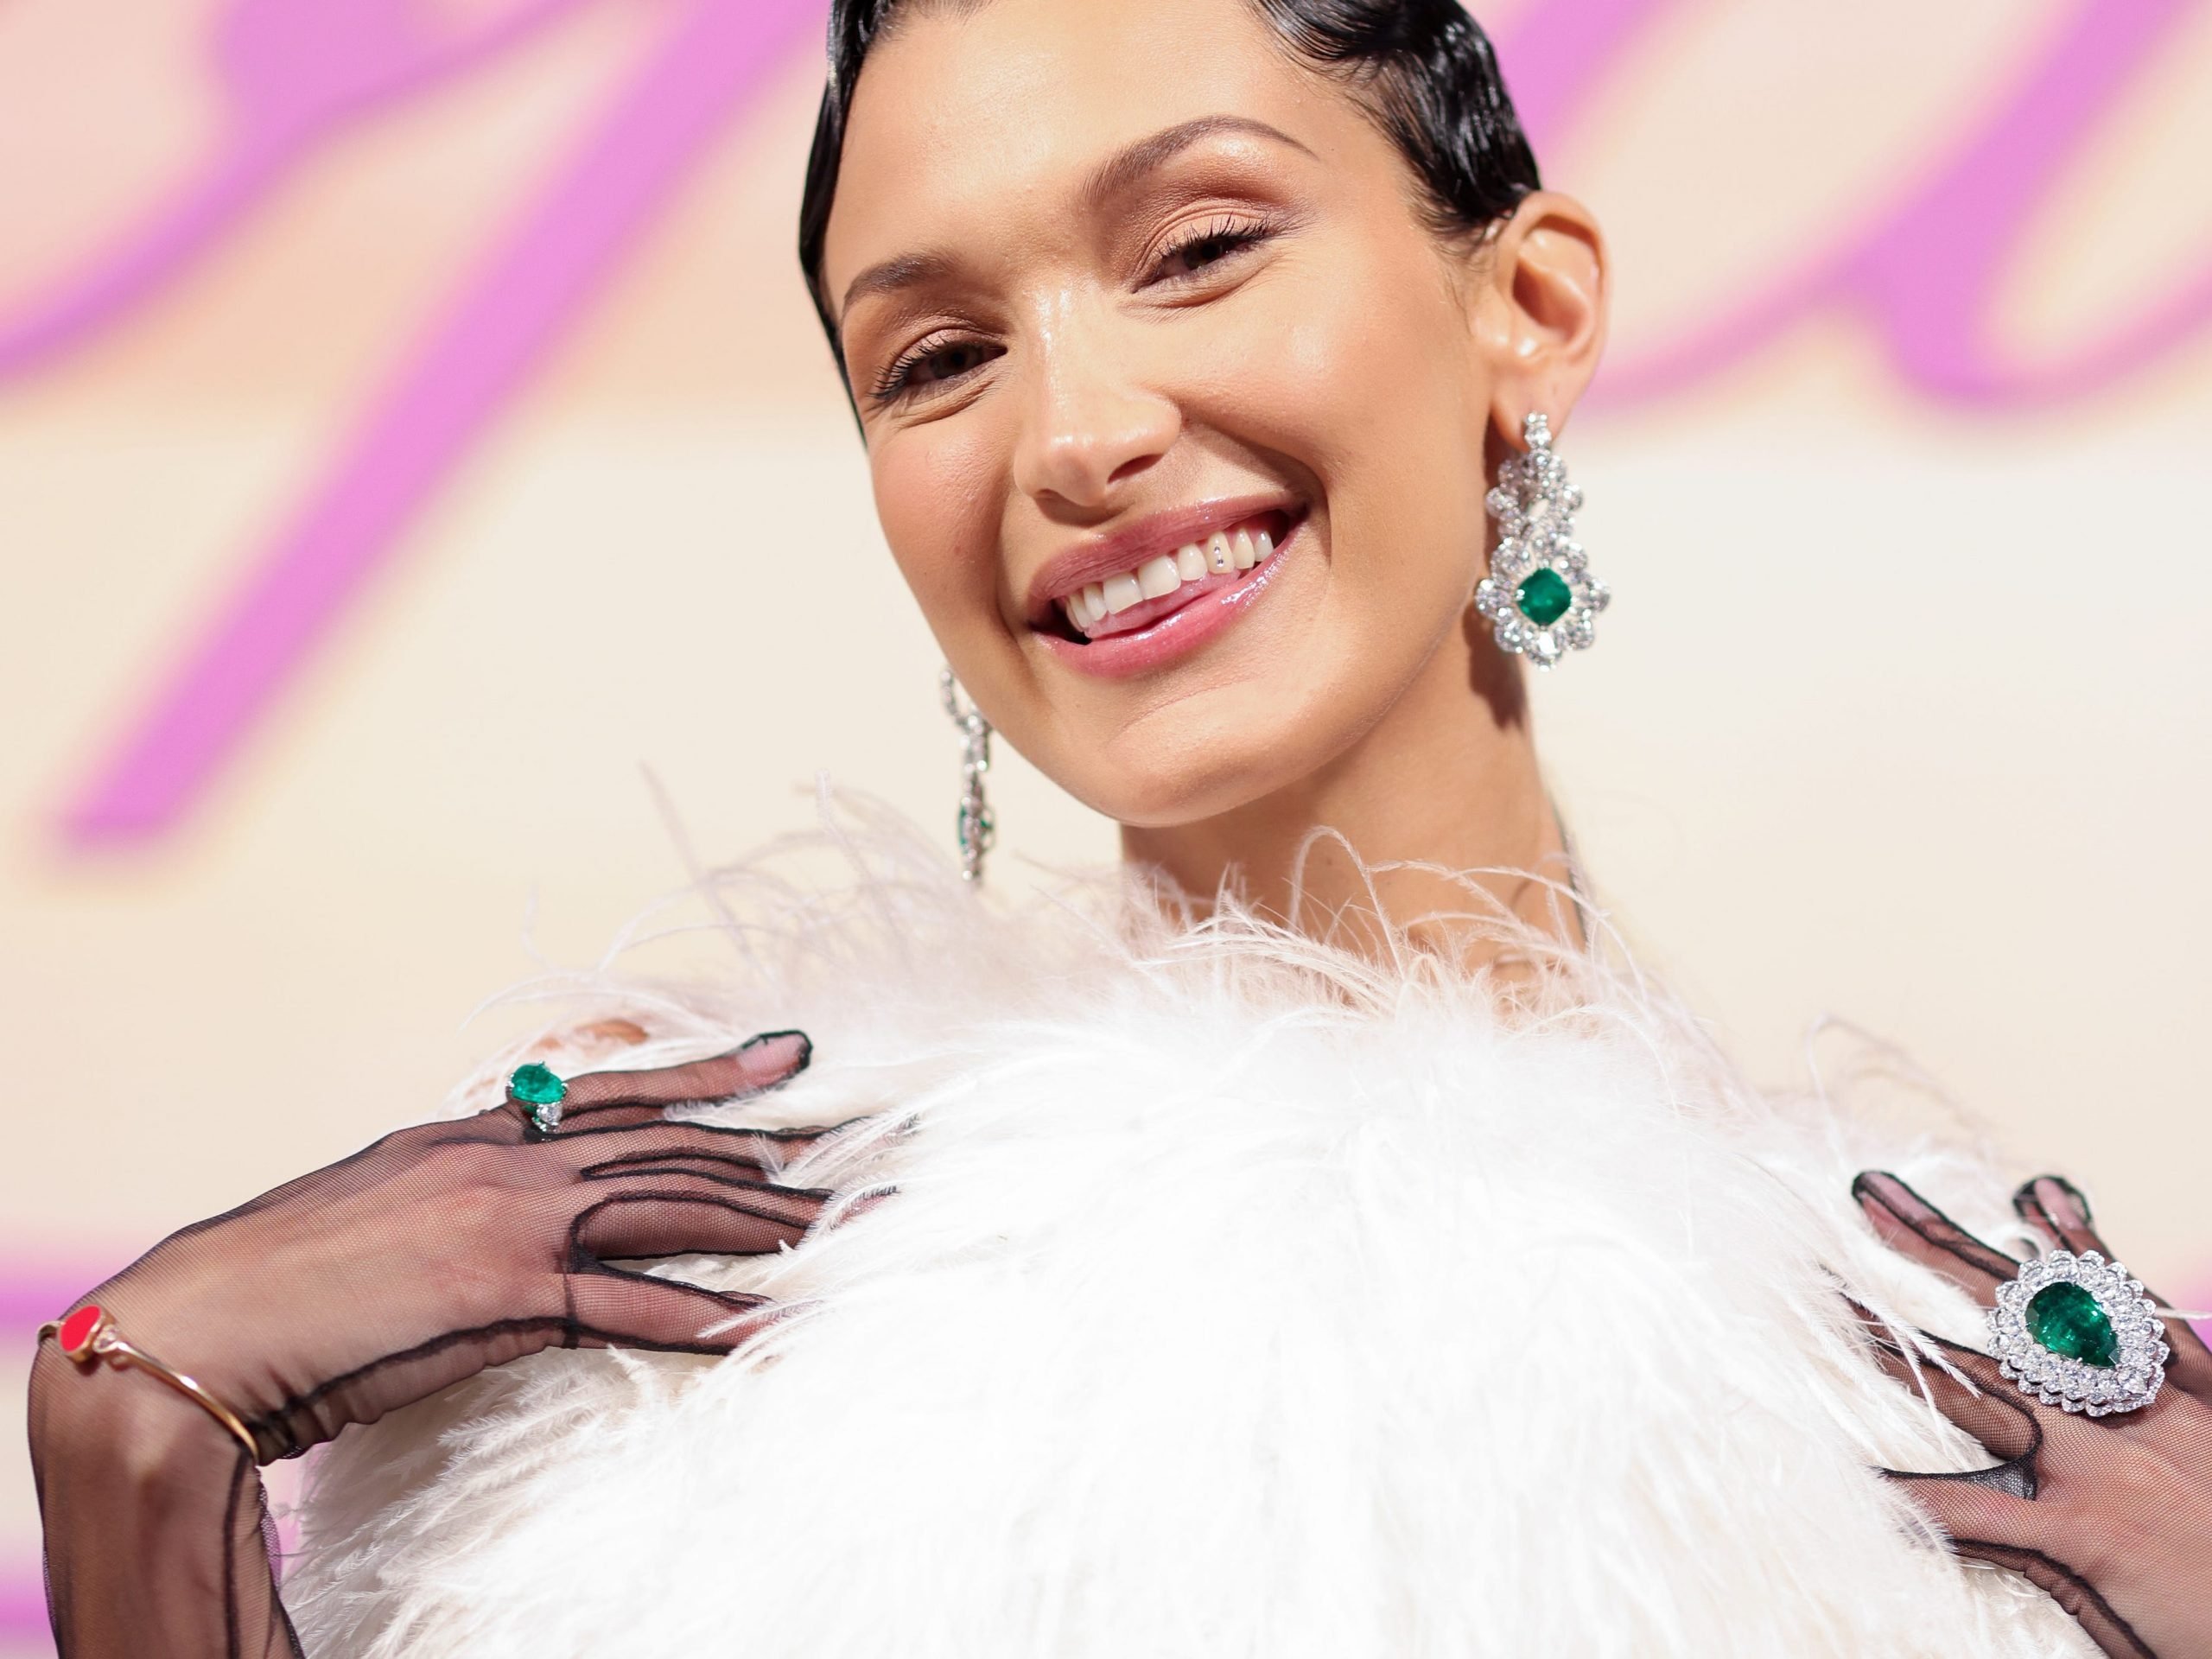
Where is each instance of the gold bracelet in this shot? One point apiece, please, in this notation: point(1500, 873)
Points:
point(88, 1335)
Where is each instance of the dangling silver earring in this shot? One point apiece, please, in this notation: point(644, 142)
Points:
point(1540, 596)
point(976, 830)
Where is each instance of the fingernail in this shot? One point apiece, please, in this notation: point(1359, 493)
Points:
point(804, 1044)
point(1865, 1187)
point(2063, 1198)
point(2080, 1201)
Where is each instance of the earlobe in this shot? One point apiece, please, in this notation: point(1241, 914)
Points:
point(1546, 300)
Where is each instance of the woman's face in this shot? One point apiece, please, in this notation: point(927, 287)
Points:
point(1112, 280)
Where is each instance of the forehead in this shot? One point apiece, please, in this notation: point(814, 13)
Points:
point(965, 115)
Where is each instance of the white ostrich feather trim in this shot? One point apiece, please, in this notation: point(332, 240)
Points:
point(1240, 1298)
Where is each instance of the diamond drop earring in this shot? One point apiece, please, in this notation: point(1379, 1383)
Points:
point(1540, 597)
point(976, 830)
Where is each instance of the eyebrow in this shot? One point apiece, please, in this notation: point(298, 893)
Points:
point(1114, 176)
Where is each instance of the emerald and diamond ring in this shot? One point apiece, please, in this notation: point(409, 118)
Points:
point(2076, 1332)
point(539, 1093)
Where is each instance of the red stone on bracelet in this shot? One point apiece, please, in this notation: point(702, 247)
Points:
point(78, 1329)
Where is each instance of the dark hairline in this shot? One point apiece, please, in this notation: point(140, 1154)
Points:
point(1423, 71)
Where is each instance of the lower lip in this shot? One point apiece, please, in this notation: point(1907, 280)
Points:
point(1178, 633)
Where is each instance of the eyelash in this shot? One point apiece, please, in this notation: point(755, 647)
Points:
point(1239, 235)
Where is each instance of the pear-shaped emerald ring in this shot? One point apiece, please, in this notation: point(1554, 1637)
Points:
point(539, 1093)
point(2076, 1332)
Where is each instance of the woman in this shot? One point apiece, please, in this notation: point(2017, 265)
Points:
point(1311, 1244)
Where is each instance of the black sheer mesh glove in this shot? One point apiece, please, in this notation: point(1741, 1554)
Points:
point(2112, 1516)
point(441, 1250)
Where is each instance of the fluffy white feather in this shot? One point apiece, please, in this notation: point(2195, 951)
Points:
point(1239, 1298)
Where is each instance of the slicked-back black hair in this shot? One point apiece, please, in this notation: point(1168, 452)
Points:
point(1423, 70)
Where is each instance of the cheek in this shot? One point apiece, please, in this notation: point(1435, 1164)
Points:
point(1385, 406)
point(935, 497)
point(1368, 393)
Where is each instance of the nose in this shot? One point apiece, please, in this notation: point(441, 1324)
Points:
point(1090, 424)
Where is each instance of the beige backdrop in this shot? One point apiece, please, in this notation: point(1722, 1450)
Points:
point(1901, 715)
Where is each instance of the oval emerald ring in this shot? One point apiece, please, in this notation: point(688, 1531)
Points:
point(539, 1093)
point(2076, 1332)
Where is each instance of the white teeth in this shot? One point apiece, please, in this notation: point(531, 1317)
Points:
point(1220, 554)
point(1156, 578)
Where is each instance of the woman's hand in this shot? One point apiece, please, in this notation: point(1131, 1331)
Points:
point(336, 1298)
point(450, 1246)
point(2113, 1514)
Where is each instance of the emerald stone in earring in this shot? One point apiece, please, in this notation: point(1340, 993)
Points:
point(1544, 597)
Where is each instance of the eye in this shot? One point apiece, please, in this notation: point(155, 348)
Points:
point(935, 362)
point(1204, 246)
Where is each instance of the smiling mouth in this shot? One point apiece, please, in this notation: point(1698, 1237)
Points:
point(1133, 601)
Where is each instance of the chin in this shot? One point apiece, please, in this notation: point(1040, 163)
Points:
point(1196, 776)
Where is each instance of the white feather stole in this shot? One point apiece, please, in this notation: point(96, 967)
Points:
point(1240, 1298)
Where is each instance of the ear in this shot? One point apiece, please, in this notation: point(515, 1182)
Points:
point(1540, 310)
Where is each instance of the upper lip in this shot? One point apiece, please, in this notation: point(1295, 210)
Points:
point(1098, 558)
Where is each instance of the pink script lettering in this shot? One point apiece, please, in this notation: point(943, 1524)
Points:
point(1930, 267)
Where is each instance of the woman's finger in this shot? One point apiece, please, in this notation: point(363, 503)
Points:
point(1972, 1511)
point(2003, 1421)
point(2057, 1209)
point(758, 1064)
point(1984, 1404)
point(687, 1215)
point(1916, 1229)
point(603, 1147)
point(740, 1168)
point(1983, 1526)
point(2054, 1206)
point(2105, 1627)
point(1887, 1334)
point(611, 1307)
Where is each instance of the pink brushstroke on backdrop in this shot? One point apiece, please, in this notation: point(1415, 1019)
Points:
point(293, 80)
point(512, 312)
point(1930, 270)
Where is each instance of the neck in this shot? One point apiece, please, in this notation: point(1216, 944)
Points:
point(1448, 778)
